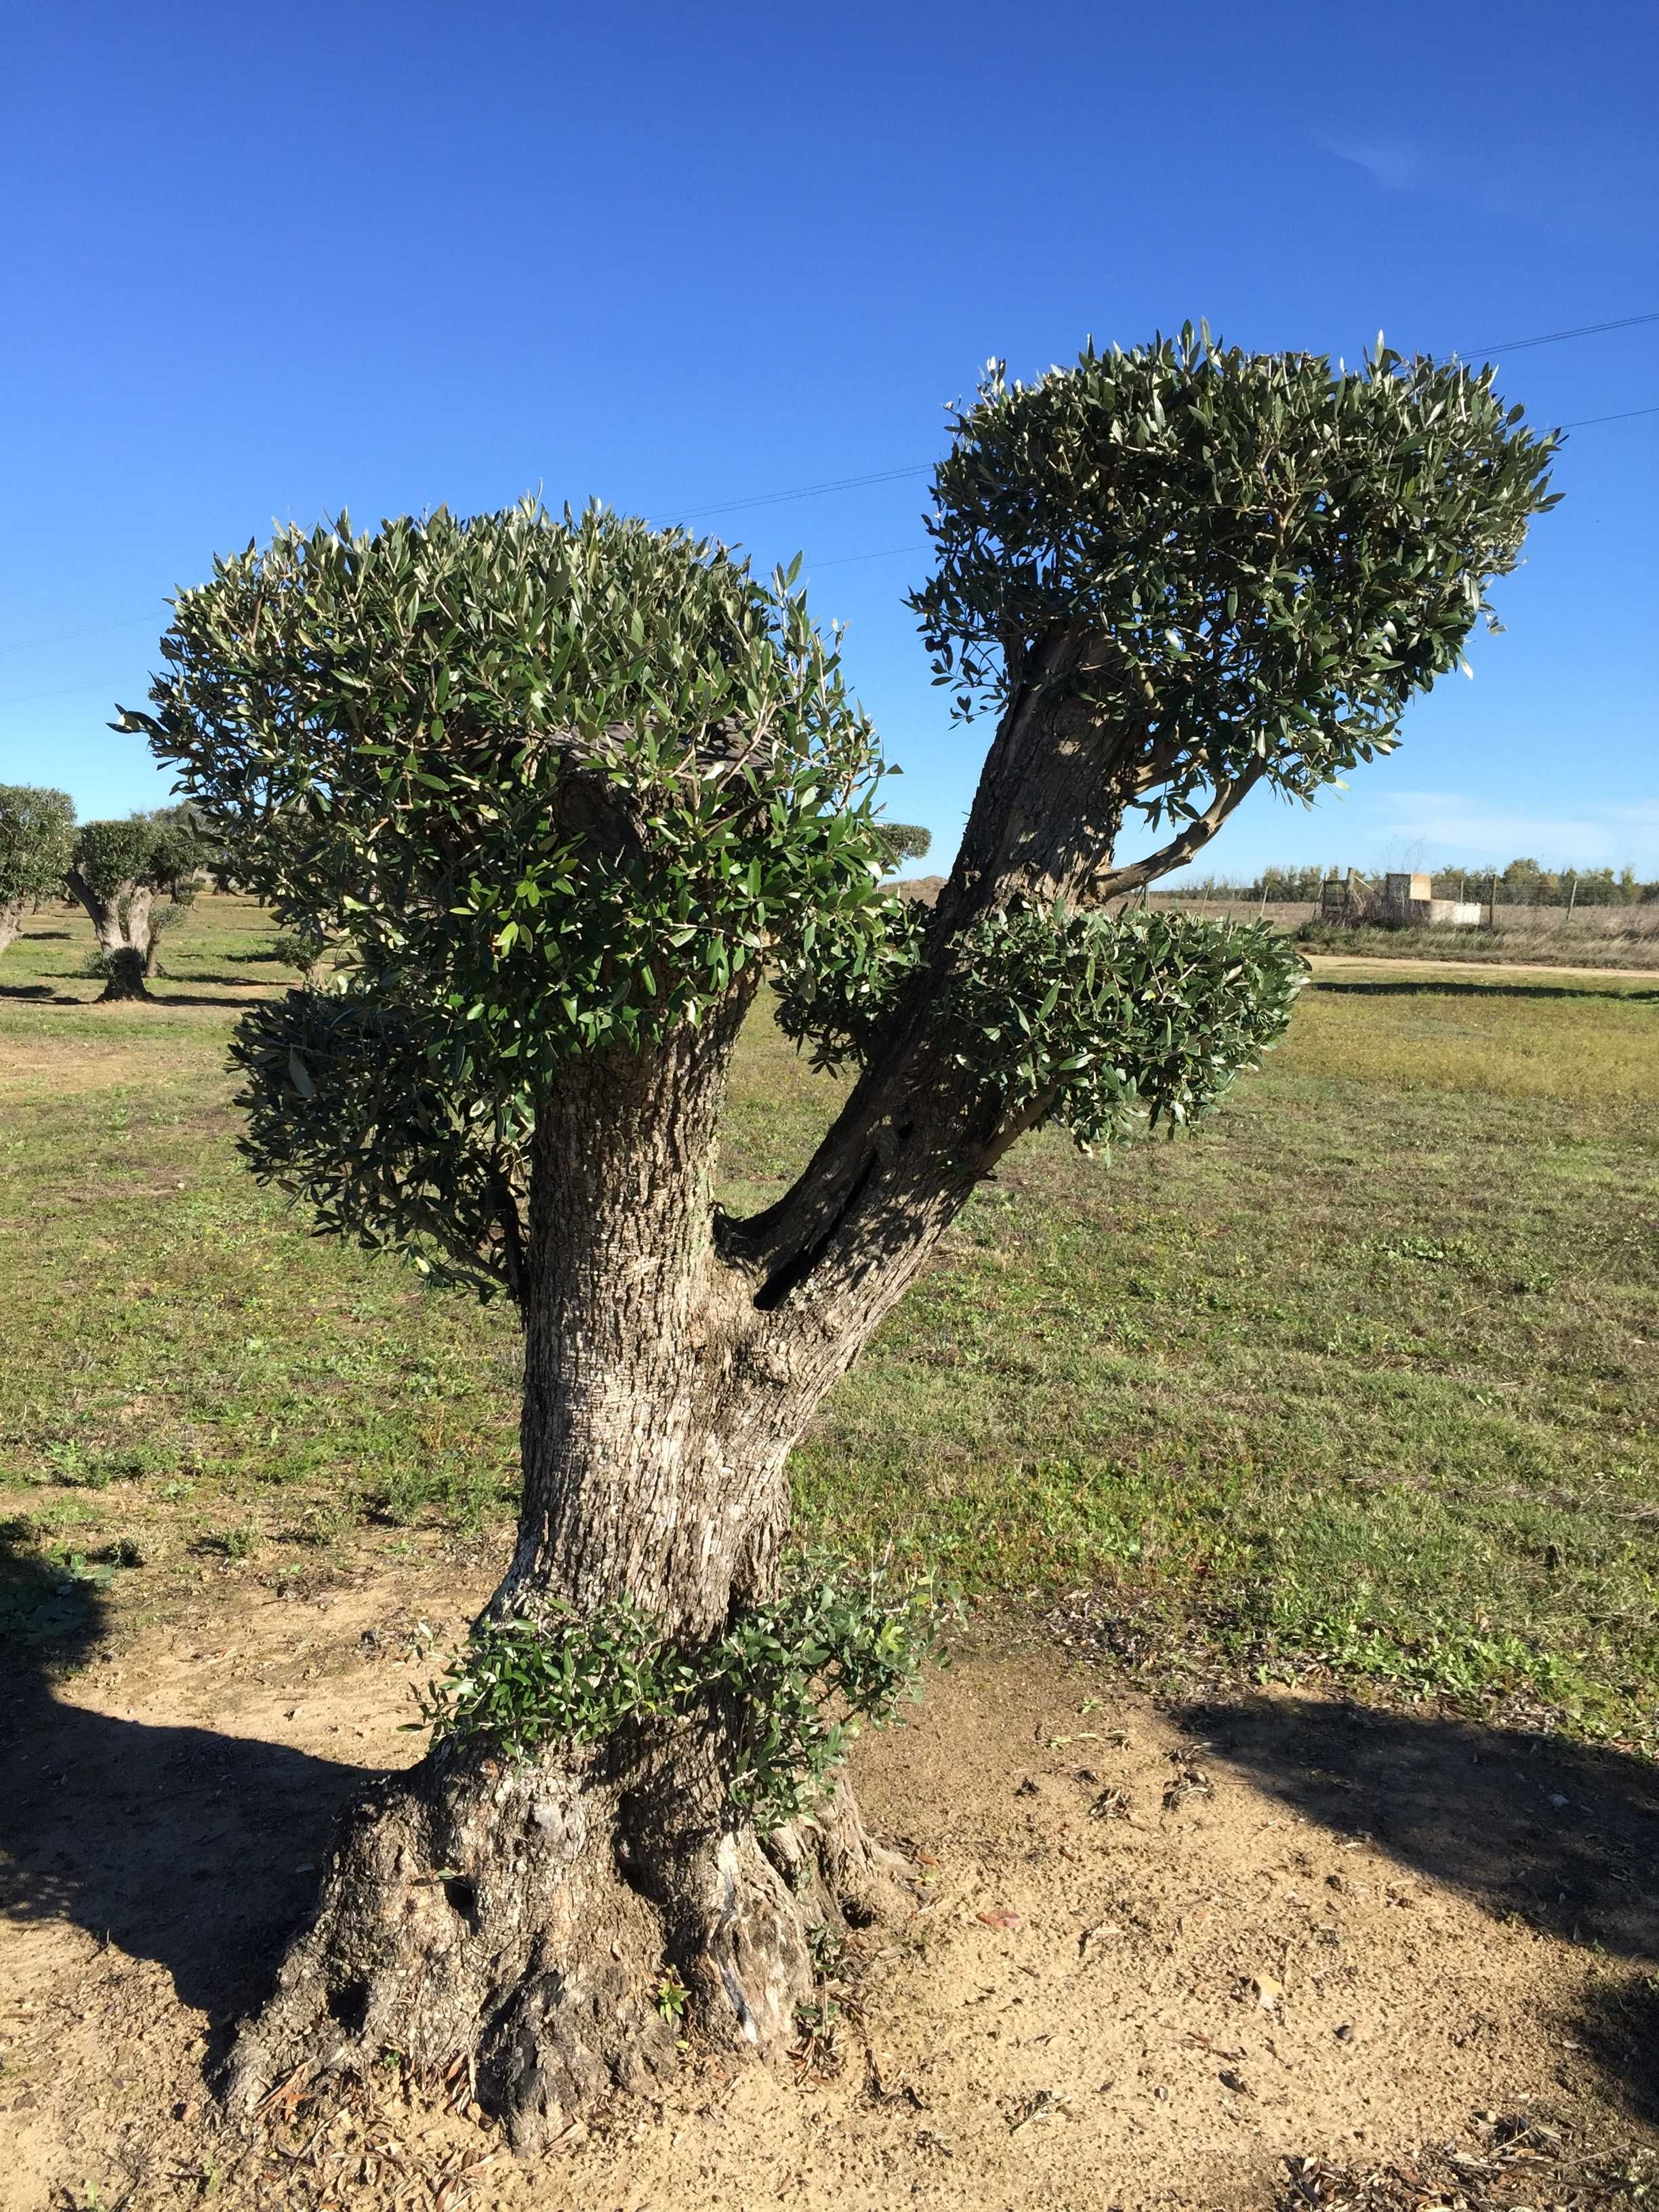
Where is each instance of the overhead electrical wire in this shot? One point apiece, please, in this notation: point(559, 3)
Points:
point(1584, 421)
point(803, 491)
point(887, 475)
point(1554, 337)
point(63, 636)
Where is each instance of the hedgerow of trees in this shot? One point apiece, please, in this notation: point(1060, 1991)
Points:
point(1522, 883)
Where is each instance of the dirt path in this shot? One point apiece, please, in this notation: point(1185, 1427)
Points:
point(1154, 1956)
point(1341, 962)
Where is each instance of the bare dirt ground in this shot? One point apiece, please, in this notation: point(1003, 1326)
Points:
point(1243, 1954)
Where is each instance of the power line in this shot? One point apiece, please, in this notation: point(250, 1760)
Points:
point(1583, 421)
point(64, 636)
point(891, 476)
point(894, 475)
point(69, 692)
point(1554, 337)
point(801, 491)
point(841, 560)
point(886, 553)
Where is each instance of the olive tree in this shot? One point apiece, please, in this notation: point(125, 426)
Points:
point(37, 830)
point(905, 841)
point(578, 790)
point(116, 870)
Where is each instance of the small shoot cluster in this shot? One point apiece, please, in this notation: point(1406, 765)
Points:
point(790, 1683)
point(350, 1110)
point(837, 1007)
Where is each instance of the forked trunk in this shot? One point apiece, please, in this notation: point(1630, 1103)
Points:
point(120, 922)
point(528, 1918)
point(540, 1920)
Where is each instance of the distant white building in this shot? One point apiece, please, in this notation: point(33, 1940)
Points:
point(1411, 898)
point(1402, 900)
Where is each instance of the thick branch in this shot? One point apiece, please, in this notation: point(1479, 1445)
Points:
point(105, 913)
point(918, 1131)
point(1179, 850)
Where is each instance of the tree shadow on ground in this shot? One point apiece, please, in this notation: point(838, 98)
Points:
point(198, 1850)
point(232, 982)
point(1418, 987)
point(1563, 1836)
point(167, 996)
point(41, 994)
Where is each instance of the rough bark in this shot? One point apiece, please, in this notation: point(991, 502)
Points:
point(637, 1480)
point(126, 975)
point(525, 1921)
point(11, 922)
point(521, 1919)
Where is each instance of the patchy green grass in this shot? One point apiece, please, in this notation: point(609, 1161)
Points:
point(1365, 1376)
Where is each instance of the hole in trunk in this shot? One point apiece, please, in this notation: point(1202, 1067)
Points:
point(463, 1896)
point(350, 2006)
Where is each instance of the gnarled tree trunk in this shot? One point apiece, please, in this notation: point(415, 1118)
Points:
point(526, 1917)
point(120, 922)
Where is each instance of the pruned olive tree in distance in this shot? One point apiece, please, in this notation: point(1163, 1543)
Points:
point(904, 840)
point(577, 788)
point(37, 833)
point(115, 870)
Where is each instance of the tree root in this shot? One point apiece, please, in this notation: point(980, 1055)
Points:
point(561, 1927)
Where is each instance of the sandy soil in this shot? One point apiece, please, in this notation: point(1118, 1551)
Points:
point(1157, 1954)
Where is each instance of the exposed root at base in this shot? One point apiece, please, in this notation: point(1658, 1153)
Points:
point(559, 1929)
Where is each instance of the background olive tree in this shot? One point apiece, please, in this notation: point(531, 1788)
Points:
point(904, 840)
point(116, 870)
point(576, 790)
point(37, 832)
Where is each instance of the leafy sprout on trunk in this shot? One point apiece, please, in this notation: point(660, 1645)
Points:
point(790, 1683)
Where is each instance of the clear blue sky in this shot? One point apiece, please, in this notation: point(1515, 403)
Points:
point(264, 263)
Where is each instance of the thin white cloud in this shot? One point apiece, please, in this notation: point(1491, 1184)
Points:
point(1473, 830)
point(1395, 165)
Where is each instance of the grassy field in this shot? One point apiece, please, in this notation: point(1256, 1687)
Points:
point(1365, 1378)
point(1622, 936)
point(1604, 937)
